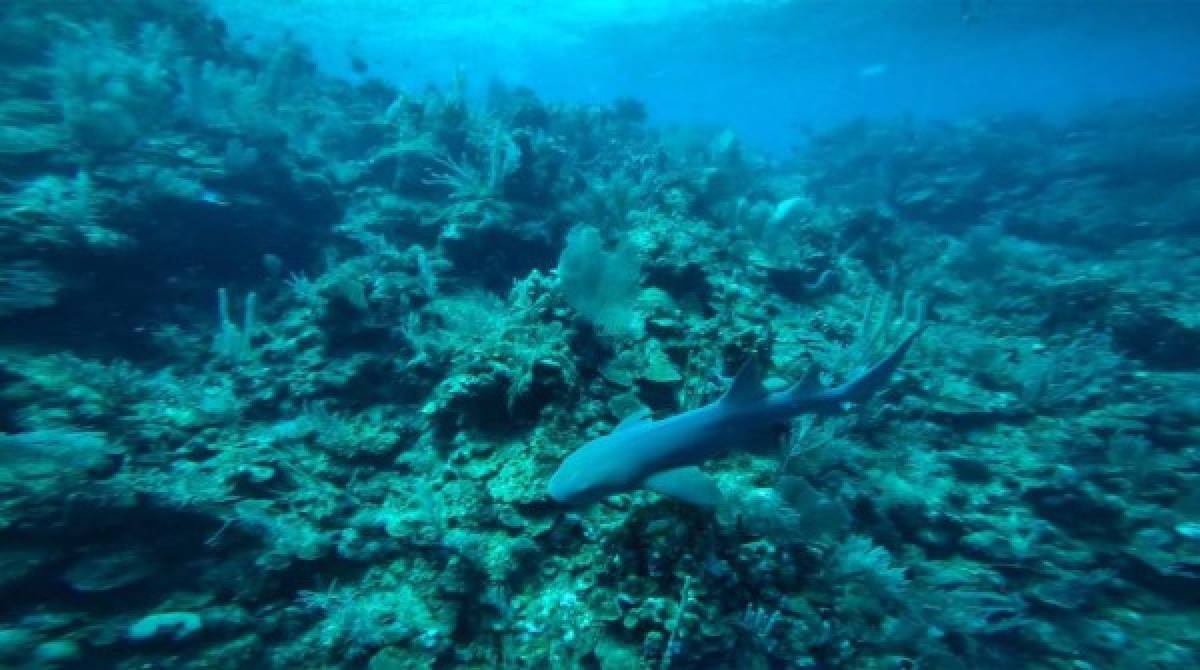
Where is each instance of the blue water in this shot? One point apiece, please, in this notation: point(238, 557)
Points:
point(599, 335)
point(766, 69)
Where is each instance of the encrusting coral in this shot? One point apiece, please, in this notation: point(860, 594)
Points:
point(286, 364)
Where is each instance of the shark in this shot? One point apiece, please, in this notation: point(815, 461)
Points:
point(664, 456)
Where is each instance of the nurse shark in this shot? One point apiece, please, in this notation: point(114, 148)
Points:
point(662, 456)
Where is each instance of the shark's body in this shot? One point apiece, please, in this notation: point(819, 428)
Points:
point(662, 455)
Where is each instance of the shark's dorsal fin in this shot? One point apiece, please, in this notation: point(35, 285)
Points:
point(638, 417)
point(687, 484)
point(811, 382)
point(747, 386)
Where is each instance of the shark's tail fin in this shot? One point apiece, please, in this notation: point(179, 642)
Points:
point(860, 388)
point(875, 377)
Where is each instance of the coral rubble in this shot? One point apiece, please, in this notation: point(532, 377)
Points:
point(286, 363)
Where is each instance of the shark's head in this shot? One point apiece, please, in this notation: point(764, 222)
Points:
point(572, 486)
point(588, 475)
point(567, 488)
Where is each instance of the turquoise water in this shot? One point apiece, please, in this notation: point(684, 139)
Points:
point(769, 69)
point(599, 335)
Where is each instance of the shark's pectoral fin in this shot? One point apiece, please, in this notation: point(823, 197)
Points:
point(687, 484)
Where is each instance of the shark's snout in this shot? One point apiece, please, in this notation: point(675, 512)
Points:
point(558, 488)
point(570, 486)
point(565, 486)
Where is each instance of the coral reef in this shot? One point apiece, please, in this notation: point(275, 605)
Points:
point(286, 363)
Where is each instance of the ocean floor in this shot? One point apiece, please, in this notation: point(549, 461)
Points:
point(287, 362)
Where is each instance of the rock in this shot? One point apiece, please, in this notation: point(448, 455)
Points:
point(55, 652)
point(176, 626)
point(15, 643)
point(108, 572)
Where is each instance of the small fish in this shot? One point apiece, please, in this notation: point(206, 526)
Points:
point(970, 9)
point(213, 198)
point(1189, 530)
point(875, 70)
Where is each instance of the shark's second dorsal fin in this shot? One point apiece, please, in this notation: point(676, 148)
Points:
point(811, 383)
point(747, 386)
point(640, 416)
